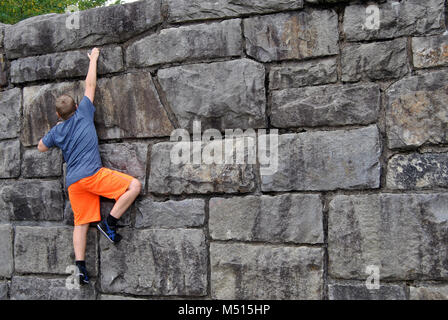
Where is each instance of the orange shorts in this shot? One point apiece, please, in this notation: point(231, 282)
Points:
point(85, 194)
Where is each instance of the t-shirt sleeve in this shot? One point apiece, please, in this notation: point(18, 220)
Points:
point(86, 107)
point(48, 140)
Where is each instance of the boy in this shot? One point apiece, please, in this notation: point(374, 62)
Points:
point(86, 179)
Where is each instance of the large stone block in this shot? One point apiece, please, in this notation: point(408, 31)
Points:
point(430, 52)
point(36, 164)
point(222, 95)
point(417, 112)
point(326, 160)
point(245, 271)
point(3, 290)
point(31, 200)
point(305, 73)
point(428, 292)
point(280, 219)
point(175, 177)
point(50, 250)
point(292, 35)
point(359, 291)
point(415, 171)
point(374, 61)
point(170, 214)
point(10, 110)
point(36, 288)
point(404, 235)
point(187, 10)
point(10, 159)
point(396, 19)
point(129, 158)
point(155, 262)
point(220, 39)
point(325, 106)
point(65, 65)
point(98, 26)
point(6, 257)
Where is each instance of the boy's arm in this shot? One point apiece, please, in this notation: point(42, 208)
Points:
point(42, 147)
point(91, 75)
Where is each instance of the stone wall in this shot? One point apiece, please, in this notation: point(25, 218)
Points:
point(363, 150)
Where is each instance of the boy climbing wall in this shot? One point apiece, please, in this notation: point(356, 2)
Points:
point(86, 178)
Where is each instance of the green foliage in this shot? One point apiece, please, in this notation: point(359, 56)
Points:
point(12, 11)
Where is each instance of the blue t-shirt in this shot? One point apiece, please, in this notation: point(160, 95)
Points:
point(77, 139)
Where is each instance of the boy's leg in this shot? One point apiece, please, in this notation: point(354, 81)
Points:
point(126, 199)
point(80, 241)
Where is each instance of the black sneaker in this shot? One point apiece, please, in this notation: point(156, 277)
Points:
point(110, 232)
point(83, 276)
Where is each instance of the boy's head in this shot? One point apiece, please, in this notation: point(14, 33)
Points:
point(65, 106)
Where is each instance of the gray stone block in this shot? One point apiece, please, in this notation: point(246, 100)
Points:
point(325, 106)
point(6, 257)
point(428, 292)
point(297, 35)
point(290, 218)
point(10, 159)
point(359, 291)
point(402, 234)
point(246, 271)
point(36, 164)
point(10, 110)
point(430, 52)
point(4, 290)
point(155, 262)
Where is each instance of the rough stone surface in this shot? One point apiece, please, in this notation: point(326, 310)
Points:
point(6, 257)
point(168, 177)
point(414, 171)
point(186, 10)
point(50, 250)
point(326, 160)
point(35, 288)
point(36, 164)
point(325, 105)
point(404, 18)
point(114, 297)
point(428, 292)
point(170, 214)
point(220, 39)
point(4, 71)
point(245, 271)
point(2, 33)
point(222, 95)
point(417, 112)
point(374, 61)
point(401, 234)
point(359, 291)
point(3, 290)
point(281, 219)
point(292, 35)
point(10, 159)
point(155, 262)
point(430, 52)
point(10, 109)
point(65, 65)
point(48, 33)
point(305, 73)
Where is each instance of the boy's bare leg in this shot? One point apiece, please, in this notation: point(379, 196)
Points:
point(79, 241)
point(125, 201)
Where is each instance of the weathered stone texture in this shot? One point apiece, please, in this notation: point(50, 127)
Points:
point(3, 290)
point(415, 171)
point(326, 160)
point(245, 271)
point(155, 262)
point(9, 159)
point(280, 219)
point(170, 214)
point(359, 291)
point(428, 292)
point(4, 71)
point(222, 95)
point(65, 65)
point(10, 109)
point(300, 74)
point(36, 164)
point(325, 106)
point(221, 39)
point(404, 18)
point(50, 250)
point(417, 112)
point(31, 200)
point(401, 234)
point(430, 52)
point(48, 33)
point(292, 35)
point(374, 61)
point(35, 288)
point(6, 257)
point(186, 10)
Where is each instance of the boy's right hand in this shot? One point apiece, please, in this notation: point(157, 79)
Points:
point(94, 54)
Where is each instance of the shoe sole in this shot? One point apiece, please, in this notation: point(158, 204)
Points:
point(105, 234)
